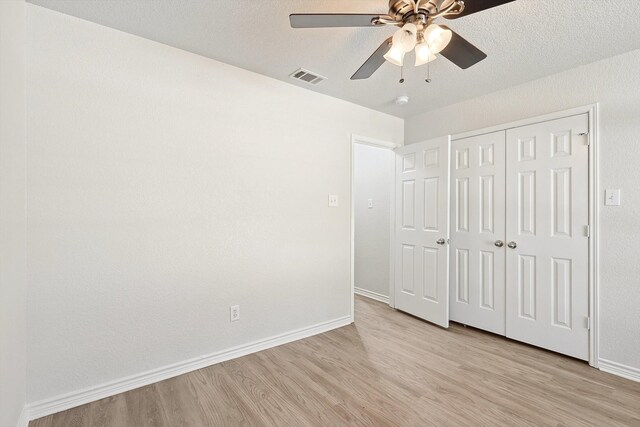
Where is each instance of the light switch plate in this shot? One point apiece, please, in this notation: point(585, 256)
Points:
point(234, 312)
point(370, 203)
point(612, 197)
point(333, 200)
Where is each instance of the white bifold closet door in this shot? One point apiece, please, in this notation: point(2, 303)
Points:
point(519, 234)
point(477, 232)
point(547, 229)
point(422, 203)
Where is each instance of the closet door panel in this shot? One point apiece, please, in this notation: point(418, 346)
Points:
point(478, 222)
point(547, 285)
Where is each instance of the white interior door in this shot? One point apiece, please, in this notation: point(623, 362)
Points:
point(422, 202)
point(478, 232)
point(547, 218)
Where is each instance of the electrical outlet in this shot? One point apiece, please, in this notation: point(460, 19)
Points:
point(333, 200)
point(235, 312)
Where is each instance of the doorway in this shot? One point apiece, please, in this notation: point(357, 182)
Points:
point(373, 164)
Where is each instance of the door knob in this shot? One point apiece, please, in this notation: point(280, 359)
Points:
point(440, 241)
point(499, 243)
point(512, 245)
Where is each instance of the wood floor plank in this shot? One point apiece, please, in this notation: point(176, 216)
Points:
point(387, 369)
point(215, 391)
point(144, 407)
point(180, 400)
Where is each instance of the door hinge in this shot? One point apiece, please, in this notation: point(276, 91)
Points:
point(588, 323)
point(587, 229)
point(587, 135)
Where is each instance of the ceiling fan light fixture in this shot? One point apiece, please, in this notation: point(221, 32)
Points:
point(395, 55)
point(406, 37)
point(437, 37)
point(423, 54)
point(403, 41)
point(413, 16)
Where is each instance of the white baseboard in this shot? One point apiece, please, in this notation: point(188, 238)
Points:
point(373, 295)
point(66, 401)
point(23, 421)
point(619, 369)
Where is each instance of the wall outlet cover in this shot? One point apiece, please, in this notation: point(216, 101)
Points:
point(333, 200)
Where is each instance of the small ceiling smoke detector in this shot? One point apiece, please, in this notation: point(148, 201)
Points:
point(402, 100)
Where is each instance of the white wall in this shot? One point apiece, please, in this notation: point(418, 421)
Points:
point(13, 340)
point(614, 83)
point(373, 175)
point(164, 187)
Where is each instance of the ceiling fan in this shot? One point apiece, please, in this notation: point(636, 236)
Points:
point(417, 32)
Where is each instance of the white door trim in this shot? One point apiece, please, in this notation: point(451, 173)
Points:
point(594, 204)
point(529, 121)
point(594, 227)
point(365, 140)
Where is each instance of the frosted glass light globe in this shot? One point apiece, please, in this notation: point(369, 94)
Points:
point(395, 55)
point(437, 37)
point(406, 37)
point(423, 54)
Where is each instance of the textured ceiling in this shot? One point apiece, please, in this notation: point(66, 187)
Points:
point(524, 40)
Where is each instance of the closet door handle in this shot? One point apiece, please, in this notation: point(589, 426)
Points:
point(499, 243)
point(512, 245)
point(441, 241)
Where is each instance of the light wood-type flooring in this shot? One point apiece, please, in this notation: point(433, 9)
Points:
point(387, 369)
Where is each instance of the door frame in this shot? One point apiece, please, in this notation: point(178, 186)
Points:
point(365, 140)
point(594, 204)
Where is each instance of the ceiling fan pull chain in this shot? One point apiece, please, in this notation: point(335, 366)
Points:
point(428, 79)
point(402, 73)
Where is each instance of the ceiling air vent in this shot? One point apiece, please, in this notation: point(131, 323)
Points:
point(307, 76)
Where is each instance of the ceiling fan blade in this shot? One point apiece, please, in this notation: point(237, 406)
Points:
point(473, 6)
point(461, 52)
point(374, 62)
point(328, 20)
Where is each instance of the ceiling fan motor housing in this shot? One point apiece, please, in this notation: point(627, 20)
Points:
point(398, 9)
point(403, 11)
